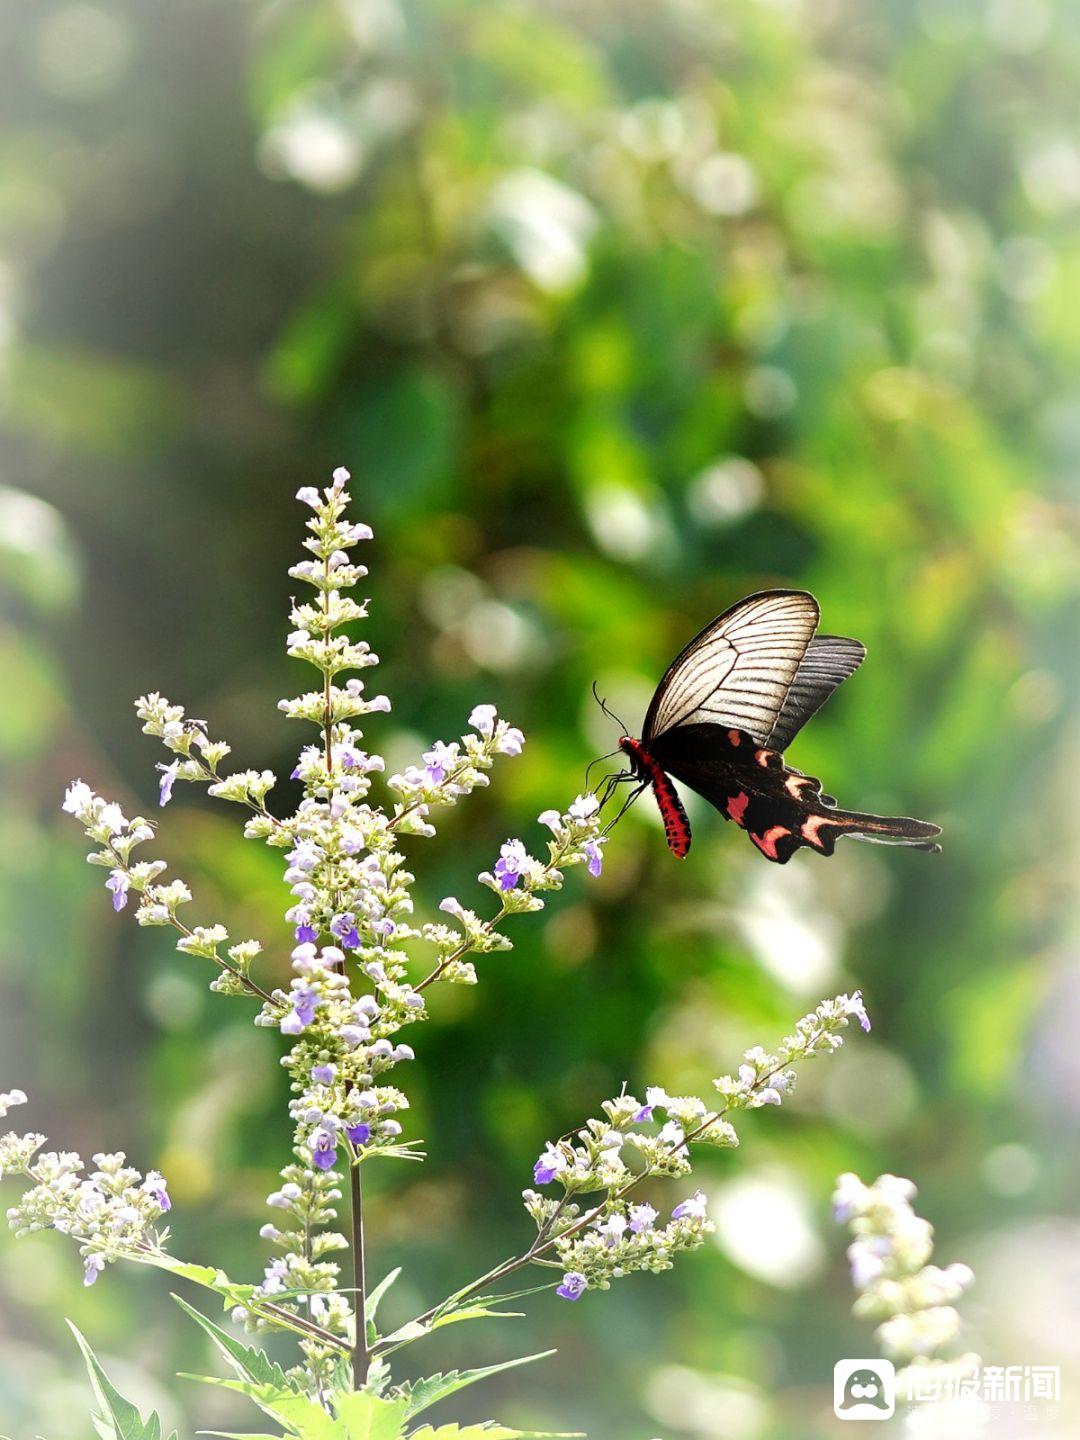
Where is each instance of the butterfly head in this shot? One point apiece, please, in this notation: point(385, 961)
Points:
point(635, 753)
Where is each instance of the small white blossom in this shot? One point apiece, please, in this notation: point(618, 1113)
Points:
point(910, 1298)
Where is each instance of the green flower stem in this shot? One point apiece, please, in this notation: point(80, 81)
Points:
point(361, 1355)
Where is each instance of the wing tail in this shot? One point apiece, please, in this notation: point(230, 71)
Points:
point(823, 826)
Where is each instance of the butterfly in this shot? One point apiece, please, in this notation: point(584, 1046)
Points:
point(725, 712)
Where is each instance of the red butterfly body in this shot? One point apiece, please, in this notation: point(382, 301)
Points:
point(725, 711)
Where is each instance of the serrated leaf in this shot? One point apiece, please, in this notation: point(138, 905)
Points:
point(369, 1417)
point(300, 1416)
point(210, 1278)
point(248, 1362)
point(490, 1432)
point(118, 1418)
point(422, 1394)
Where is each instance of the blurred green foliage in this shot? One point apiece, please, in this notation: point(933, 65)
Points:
point(617, 311)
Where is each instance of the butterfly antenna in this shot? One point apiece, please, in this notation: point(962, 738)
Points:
point(607, 711)
point(598, 761)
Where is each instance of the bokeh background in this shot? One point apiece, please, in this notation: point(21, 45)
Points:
point(616, 311)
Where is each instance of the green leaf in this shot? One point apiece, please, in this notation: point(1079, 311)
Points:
point(368, 1417)
point(300, 1416)
point(205, 1275)
point(490, 1430)
point(371, 1304)
point(412, 1330)
point(422, 1394)
point(248, 1362)
point(117, 1418)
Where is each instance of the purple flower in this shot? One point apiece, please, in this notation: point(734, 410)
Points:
point(482, 719)
point(119, 884)
point(854, 1005)
point(323, 1074)
point(344, 927)
point(511, 741)
point(168, 780)
point(306, 934)
point(641, 1218)
point(550, 1164)
point(593, 853)
point(438, 761)
point(573, 1286)
point(154, 1185)
point(693, 1208)
point(323, 1148)
point(511, 861)
point(92, 1268)
point(305, 1002)
point(359, 1134)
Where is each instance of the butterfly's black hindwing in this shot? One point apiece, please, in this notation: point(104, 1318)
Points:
point(781, 809)
point(733, 700)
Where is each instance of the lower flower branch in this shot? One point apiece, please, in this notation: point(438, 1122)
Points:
point(546, 1240)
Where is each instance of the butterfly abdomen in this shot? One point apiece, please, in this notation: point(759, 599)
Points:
point(676, 823)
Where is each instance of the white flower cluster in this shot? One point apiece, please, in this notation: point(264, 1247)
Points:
point(351, 911)
point(619, 1235)
point(159, 904)
point(111, 1213)
point(912, 1300)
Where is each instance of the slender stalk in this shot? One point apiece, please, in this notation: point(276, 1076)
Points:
point(361, 1356)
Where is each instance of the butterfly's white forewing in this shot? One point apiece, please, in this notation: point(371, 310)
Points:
point(738, 671)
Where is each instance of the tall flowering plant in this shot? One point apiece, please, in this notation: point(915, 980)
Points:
point(362, 962)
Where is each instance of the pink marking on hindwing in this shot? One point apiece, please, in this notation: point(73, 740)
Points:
point(767, 843)
point(811, 827)
point(794, 783)
point(735, 738)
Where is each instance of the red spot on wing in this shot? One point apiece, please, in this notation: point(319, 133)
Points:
point(767, 843)
point(735, 738)
point(736, 807)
